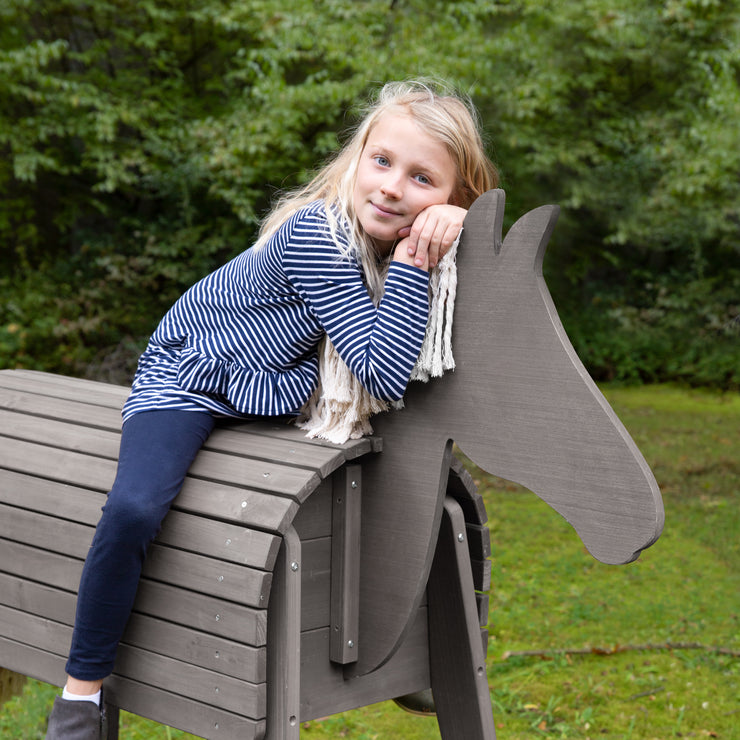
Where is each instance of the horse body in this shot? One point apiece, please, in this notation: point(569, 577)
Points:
point(521, 405)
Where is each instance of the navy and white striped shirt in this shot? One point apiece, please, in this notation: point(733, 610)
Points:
point(243, 340)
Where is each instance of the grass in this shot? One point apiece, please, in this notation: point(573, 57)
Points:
point(603, 669)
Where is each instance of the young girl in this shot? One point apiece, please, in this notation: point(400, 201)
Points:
point(243, 341)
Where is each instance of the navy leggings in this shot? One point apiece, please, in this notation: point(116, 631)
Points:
point(157, 448)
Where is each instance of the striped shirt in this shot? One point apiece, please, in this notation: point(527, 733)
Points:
point(243, 340)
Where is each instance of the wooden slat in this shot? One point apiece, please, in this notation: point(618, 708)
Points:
point(41, 624)
point(218, 539)
point(202, 612)
point(42, 566)
point(236, 503)
point(315, 570)
point(193, 682)
point(218, 654)
point(326, 690)
point(36, 598)
point(345, 564)
point(64, 466)
point(479, 541)
point(250, 508)
point(284, 643)
point(68, 538)
point(51, 497)
point(242, 441)
point(313, 519)
point(62, 386)
point(183, 531)
point(50, 407)
point(177, 711)
point(481, 574)
point(225, 581)
point(61, 434)
point(30, 629)
point(351, 449)
point(283, 480)
point(212, 611)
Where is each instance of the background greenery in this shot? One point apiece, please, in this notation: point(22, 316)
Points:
point(140, 143)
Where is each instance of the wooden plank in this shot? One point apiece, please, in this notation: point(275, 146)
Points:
point(202, 612)
point(37, 598)
point(482, 601)
point(297, 483)
point(64, 466)
point(250, 508)
point(193, 682)
point(187, 533)
point(479, 541)
point(32, 662)
point(68, 538)
point(327, 689)
point(242, 441)
point(345, 564)
point(237, 503)
point(208, 612)
point(61, 434)
point(42, 566)
point(182, 713)
point(216, 578)
point(218, 654)
point(217, 539)
point(284, 643)
point(63, 386)
point(50, 407)
point(30, 629)
point(166, 707)
point(313, 520)
point(316, 583)
point(481, 574)
point(351, 449)
point(458, 666)
point(48, 631)
point(56, 499)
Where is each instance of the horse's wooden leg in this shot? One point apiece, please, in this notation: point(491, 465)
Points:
point(284, 644)
point(457, 660)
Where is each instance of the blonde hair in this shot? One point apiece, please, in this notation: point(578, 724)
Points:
point(443, 114)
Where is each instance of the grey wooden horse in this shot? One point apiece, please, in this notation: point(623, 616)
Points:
point(522, 406)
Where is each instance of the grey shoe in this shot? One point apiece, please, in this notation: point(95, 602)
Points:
point(76, 720)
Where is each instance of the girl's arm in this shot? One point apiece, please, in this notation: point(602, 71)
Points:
point(433, 232)
point(379, 344)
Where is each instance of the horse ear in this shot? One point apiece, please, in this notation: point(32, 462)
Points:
point(485, 219)
point(526, 241)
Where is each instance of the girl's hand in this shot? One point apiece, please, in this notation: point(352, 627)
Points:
point(402, 253)
point(433, 232)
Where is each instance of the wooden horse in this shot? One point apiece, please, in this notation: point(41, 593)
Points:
point(521, 405)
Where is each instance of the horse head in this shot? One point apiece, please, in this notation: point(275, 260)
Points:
point(521, 405)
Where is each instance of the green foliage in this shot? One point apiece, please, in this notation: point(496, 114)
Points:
point(141, 142)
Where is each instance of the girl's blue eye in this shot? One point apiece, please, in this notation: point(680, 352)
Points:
point(381, 160)
point(423, 179)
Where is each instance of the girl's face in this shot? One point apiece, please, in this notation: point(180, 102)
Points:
point(402, 171)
